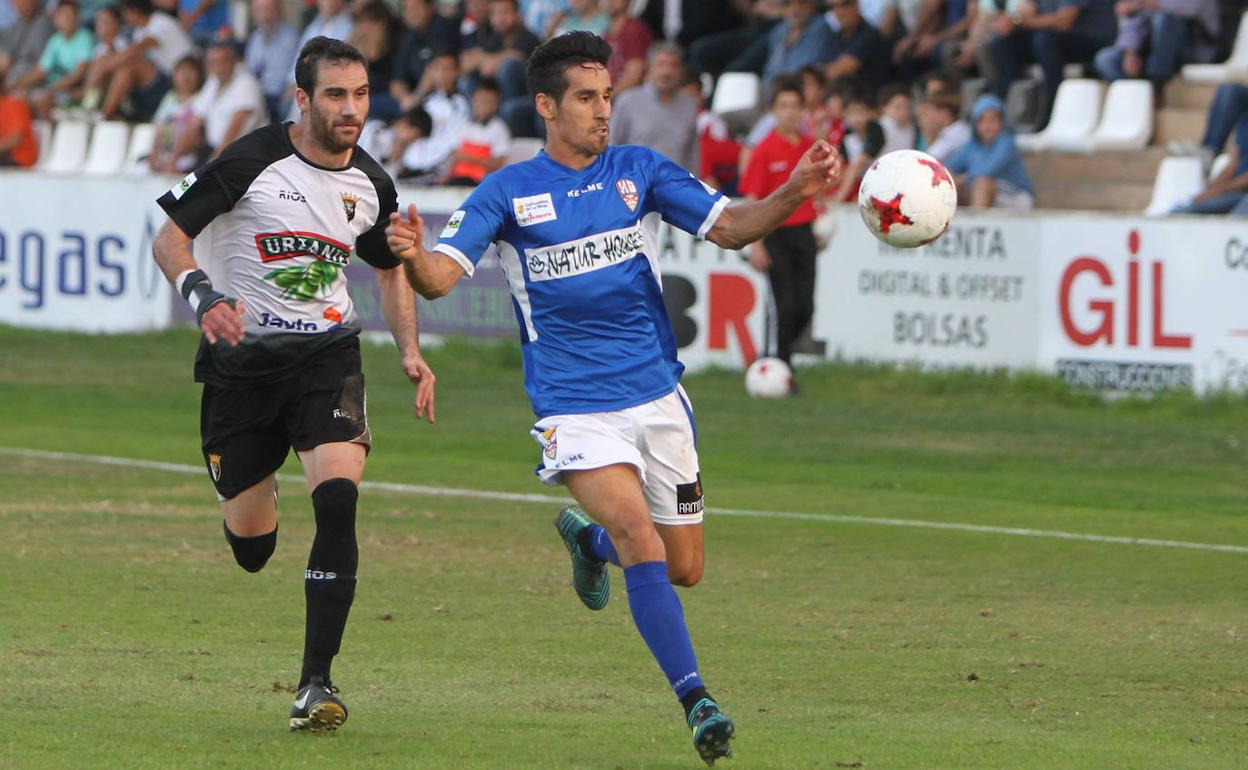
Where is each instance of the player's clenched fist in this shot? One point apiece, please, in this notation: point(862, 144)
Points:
point(224, 321)
point(405, 235)
point(820, 166)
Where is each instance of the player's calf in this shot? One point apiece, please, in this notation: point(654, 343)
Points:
point(251, 553)
point(329, 582)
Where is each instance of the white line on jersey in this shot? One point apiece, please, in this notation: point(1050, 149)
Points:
point(416, 489)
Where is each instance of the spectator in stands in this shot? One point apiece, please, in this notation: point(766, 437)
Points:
point(449, 110)
point(426, 34)
point(1053, 33)
point(1228, 192)
point(582, 15)
point(270, 54)
point(941, 28)
point(788, 254)
point(473, 23)
point(485, 140)
point(376, 36)
point(658, 114)
point(204, 20)
point(897, 118)
point(941, 132)
point(719, 154)
point(541, 16)
point(684, 21)
point(1156, 37)
point(630, 41)
point(22, 44)
point(18, 145)
point(173, 119)
point(105, 57)
point(332, 19)
point(143, 71)
point(57, 80)
point(857, 49)
point(740, 49)
point(229, 105)
point(503, 49)
point(861, 145)
point(989, 169)
point(412, 157)
point(800, 40)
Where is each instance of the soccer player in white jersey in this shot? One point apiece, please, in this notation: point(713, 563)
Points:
point(274, 220)
point(576, 232)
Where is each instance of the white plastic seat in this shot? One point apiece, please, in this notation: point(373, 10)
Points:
point(523, 148)
point(736, 92)
point(43, 136)
point(1235, 65)
point(140, 145)
point(1076, 109)
point(1127, 119)
point(108, 148)
point(68, 148)
point(1178, 178)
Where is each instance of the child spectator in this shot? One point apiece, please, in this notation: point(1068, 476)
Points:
point(105, 57)
point(719, 154)
point(174, 116)
point(485, 140)
point(896, 118)
point(941, 133)
point(861, 146)
point(57, 80)
point(411, 159)
point(989, 169)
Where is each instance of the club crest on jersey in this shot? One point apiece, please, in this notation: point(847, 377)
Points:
point(214, 466)
point(348, 205)
point(628, 192)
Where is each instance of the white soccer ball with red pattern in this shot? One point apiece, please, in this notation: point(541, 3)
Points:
point(768, 378)
point(907, 198)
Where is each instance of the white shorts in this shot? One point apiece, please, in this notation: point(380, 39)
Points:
point(656, 438)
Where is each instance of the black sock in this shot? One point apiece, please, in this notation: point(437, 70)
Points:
point(691, 699)
point(329, 583)
point(582, 540)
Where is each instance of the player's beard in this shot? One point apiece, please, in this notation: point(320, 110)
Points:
point(323, 131)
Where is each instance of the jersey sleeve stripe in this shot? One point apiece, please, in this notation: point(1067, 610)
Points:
point(712, 217)
point(458, 256)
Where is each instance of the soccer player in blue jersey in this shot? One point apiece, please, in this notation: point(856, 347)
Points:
point(576, 230)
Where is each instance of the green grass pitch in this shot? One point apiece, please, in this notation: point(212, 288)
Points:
point(128, 638)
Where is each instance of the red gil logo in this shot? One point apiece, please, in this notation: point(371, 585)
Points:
point(628, 192)
point(1103, 307)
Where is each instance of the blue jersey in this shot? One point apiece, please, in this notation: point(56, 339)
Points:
point(580, 250)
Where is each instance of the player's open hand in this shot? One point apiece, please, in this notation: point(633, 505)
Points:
point(224, 321)
point(404, 236)
point(422, 377)
point(819, 167)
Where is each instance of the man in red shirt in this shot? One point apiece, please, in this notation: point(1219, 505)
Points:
point(788, 253)
point(630, 40)
point(18, 146)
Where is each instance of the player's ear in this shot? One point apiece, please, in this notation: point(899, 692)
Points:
point(546, 106)
point(302, 99)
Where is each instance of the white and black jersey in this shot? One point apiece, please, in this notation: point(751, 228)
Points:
point(275, 230)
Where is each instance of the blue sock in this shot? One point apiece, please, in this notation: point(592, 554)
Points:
point(600, 545)
point(661, 621)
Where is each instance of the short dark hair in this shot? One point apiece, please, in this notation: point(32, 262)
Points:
point(547, 71)
point(418, 119)
point(319, 49)
point(892, 91)
point(487, 83)
point(140, 6)
point(945, 100)
point(784, 84)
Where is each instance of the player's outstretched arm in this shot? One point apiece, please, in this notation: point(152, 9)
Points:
point(743, 223)
point(220, 317)
point(398, 305)
point(431, 274)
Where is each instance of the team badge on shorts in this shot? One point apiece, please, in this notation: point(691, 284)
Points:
point(628, 191)
point(550, 446)
point(348, 205)
point(214, 466)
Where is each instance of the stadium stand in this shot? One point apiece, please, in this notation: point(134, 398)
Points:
point(68, 148)
point(140, 145)
point(107, 152)
point(1236, 64)
point(1126, 119)
point(1177, 178)
point(1075, 112)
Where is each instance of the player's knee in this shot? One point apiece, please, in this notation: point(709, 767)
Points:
point(685, 572)
point(251, 553)
point(637, 541)
point(334, 502)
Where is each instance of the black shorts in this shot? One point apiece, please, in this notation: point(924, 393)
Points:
point(247, 432)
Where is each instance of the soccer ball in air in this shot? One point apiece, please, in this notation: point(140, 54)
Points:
point(907, 198)
point(768, 378)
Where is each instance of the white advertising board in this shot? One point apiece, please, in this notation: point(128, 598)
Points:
point(968, 299)
point(75, 253)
